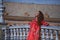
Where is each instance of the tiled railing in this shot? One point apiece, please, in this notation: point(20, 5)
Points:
point(20, 32)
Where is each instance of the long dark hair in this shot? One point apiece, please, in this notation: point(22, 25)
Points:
point(40, 17)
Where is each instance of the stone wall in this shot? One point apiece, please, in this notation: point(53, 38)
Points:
point(21, 9)
point(29, 10)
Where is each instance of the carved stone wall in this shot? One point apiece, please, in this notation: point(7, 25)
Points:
point(21, 9)
point(29, 10)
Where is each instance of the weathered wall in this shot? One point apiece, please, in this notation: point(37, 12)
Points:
point(20, 9)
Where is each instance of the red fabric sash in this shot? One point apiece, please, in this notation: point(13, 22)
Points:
point(34, 30)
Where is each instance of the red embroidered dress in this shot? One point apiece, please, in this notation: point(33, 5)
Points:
point(34, 30)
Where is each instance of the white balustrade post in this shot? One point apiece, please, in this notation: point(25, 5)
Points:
point(27, 30)
point(11, 33)
point(56, 35)
point(14, 32)
point(17, 32)
point(24, 33)
point(20, 32)
point(51, 34)
point(5, 33)
point(47, 34)
point(43, 36)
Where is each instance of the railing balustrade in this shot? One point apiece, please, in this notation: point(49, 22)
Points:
point(20, 32)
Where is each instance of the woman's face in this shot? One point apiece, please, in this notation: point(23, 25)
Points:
point(39, 16)
point(36, 15)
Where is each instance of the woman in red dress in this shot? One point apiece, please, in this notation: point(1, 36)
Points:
point(35, 27)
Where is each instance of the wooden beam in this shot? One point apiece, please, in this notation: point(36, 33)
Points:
point(20, 18)
point(53, 19)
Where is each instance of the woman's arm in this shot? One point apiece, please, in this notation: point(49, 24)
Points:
point(44, 23)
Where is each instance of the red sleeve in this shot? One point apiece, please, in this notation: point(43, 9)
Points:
point(30, 24)
point(44, 23)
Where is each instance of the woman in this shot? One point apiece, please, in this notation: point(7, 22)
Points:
point(35, 27)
